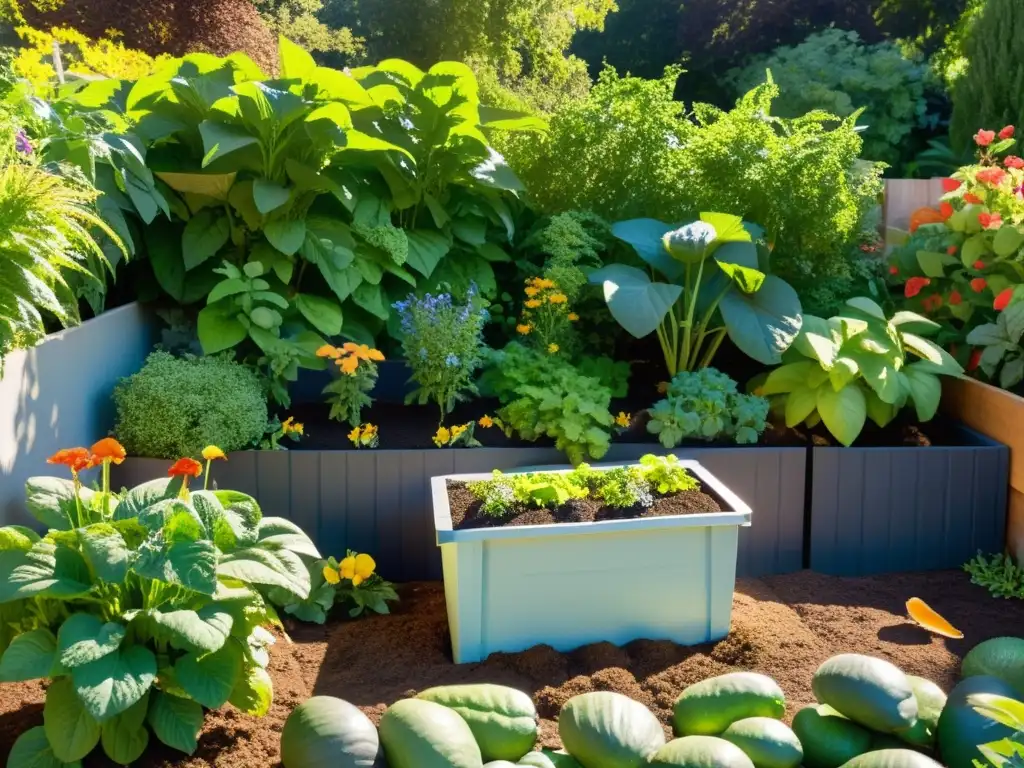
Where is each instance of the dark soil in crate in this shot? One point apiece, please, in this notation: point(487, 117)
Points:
point(784, 627)
point(465, 509)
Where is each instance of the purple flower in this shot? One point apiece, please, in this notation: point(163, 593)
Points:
point(22, 144)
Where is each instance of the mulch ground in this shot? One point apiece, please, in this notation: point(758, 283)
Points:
point(783, 626)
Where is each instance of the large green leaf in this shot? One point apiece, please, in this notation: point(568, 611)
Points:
point(911, 322)
point(843, 412)
point(30, 655)
point(112, 684)
point(879, 411)
point(925, 390)
point(939, 359)
point(219, 328)
point(124, 737)
point(763, 324)
point(791, 376)
point(287, 235)
point(295, 63)
point(210, 679)
point(52, 501)
point(262, 567)
point(637, 304)
point(220, 139)
point(191, 564)
point(934, 263)
point(243, 514)
point(426, 249)
point(645, 235)
point(1007, 241)
point(800, 404)
point(269, 195)
point(339, 86)
point(323, 314)
point(46, 570)
point(141, 497)
point(744, 278)
point(84, 638)
point(105, 551)
point(254, 692)
point(205, 234)
point(70, 728)
point(202, 631)
point(175, 721)
point(494, 172)
point(372, 299)
point(213, 185)
point(32, 750)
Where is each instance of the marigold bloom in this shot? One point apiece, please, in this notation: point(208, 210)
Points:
point(955, 298)
point(524, 328)
point(946, 209)
point(990, 220)
point(544, 283)
point(978, 284)
point(984, 138)
point(291, 426)
point(212, 452)
point(1003, 300)
point(531, 291)
point(533, 303)
point(914, 286)
point(552, 348)
point(76, 459)
point(1007, 132)
point(349, 365)
point(979, 264)
point(993, 176)
point(331, 576)
point(486, 421)
point(951, 185)
point(185, 467)
point(623, 419)
point(573, 317)
point(108, 449)
point(1014, 162)
point(328, 351)
point(558, 298)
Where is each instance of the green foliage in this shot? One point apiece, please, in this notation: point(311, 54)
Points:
point(705, 405)
point(989, 92)
point(629, 150)
point(718, 284)
point(301, 21)
point(855, 366)
point(1004, 711)
point(142, 607)
point(613, 374)
point(666, 475)
point(1000, 575)
point(175, 407)
point(371, 593)
point(623, 488)
point(544, 395)
point(1002, 356)
point(835, 71)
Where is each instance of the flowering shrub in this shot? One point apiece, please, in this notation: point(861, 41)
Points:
point(349, 393)
point(546, 318)
point(142, 607)
point(443, 345)
point(354, 581)
point(456, 435)
point(706, 405)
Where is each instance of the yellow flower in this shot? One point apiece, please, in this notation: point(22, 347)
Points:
point(328, 351)
point(349, 365)
point(457, 430)
point(369, 430)
point(623, 419)
point(442, 436)
point(573, 317)
point(531, 291)
point(533, 303)
point(552, 348)
point(347, 567)
point(486, 422)
point(290, 425)
point(524, 329)
point(543, 282)
point(212, 452)
point(558, 298)
point(331, 576)
point(354, 435)
point(357, 568)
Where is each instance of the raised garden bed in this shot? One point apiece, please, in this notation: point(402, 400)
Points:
point(511, 587)
point(907, 508)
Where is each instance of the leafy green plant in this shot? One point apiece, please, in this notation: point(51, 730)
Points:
point(544, 395)
point(1002, 356)
point(612, 373)
point(176, 406)
point(355, 377)
point(666, 475)
point(856, 366)
point(353, 582)
point(623, 488)
point(1000, 575)
point(717, 284)
point(141, 607)
point(706, 405)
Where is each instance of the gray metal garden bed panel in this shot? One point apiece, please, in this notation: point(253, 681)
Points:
point(885, 510)
point(378, 501)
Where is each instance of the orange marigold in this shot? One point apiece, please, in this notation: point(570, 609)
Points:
point(185, 467)
point(76, 459)
point(108, 449)
point(349, 365)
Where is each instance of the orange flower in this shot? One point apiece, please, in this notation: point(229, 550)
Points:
point(362, 351)
point(349, 365)
point(573, 317)
point(973, 199)
point(950, 185)
point(955, 298)
point(76, 459)
point(185, 467)
point(108, 449)
point(1003, 300)
point(993, 176)
point(990, 220)
point(328, 351)
point(946, 209)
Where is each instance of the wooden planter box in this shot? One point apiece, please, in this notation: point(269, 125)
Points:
point(884, 510)
point(999, 415)
point(57, 395)
point(660, 578)
point(378, 501)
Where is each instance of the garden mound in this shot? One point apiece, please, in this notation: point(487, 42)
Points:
point(783, 626)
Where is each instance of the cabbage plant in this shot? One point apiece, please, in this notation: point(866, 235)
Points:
point(141, 608)
point(716, 284)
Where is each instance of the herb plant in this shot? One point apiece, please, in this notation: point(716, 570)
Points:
point(1000, 575)
point(856, 366)
point(443, 344)
point(717, 285)
point(142, 607)
point(544, 395)
point(623, 488)
point(356, 377)
point(706, 405)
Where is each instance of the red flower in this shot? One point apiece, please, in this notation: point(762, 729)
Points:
point(978, 284)
point(984, 138)
point(993, 176)
point(76, 459)
point(914, 286)
point(990, 220)
point(955, 298)
point(975, 360)
point(894, 270)
point(932, 303)
point(108, 449)
point(185, 466)
point(979, 264)
point(1007, 132)
point(973, 199)
point(951, 185)
point(1013, 162)
point(1003, 300)
point(951, 250)
point(946, 209)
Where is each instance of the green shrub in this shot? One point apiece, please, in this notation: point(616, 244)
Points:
point(706, 405)
point(629, 150)
point(991, 92)
point(175, 407)
point(835, 71)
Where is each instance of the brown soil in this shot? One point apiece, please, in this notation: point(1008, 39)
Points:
point(783, 626)
point(465, 509)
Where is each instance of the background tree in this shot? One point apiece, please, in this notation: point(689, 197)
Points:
point(300, 21)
